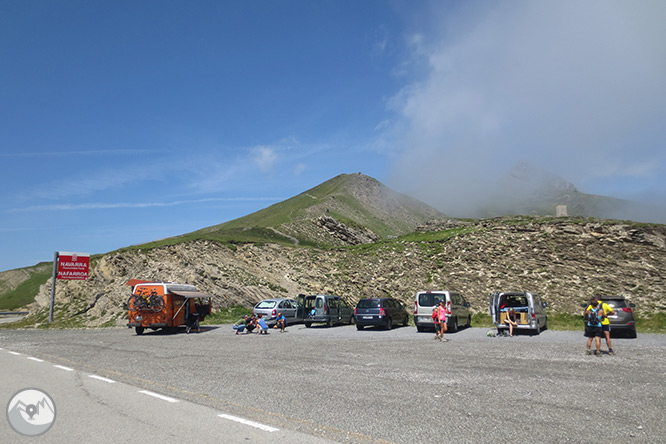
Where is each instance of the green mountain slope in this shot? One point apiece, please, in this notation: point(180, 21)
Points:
point(348, 209)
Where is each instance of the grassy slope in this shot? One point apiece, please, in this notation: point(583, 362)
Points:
point(25, 292)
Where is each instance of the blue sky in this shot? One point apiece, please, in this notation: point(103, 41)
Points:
point(125, 122)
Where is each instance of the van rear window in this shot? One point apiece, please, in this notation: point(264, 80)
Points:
point(368, 303)
point(431, 299)
point(616, 303)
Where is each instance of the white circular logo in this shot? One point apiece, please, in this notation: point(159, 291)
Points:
point(31, 412)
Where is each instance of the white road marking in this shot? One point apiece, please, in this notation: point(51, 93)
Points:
point(32, 358)
point(14, 353)
point(62, 367)
point(102, 378)
point(157, 395)
point(248, 422)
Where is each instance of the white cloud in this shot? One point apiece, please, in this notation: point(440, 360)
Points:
point(264, 157)
point(116, 205)
point(575, 87)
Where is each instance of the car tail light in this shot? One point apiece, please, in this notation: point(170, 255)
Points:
point(533, 315)
point(355, 311)
point(325, 309)
point(382, 312)
point(416, 308)
point(274, 312)
point(626, 310)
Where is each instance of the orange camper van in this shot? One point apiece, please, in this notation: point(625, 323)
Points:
point(166, 305)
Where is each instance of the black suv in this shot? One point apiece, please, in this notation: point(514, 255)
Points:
point(381, 312)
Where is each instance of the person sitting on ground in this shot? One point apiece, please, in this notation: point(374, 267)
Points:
point(263, 326)
point(511, 320)
point(239, 326)
point(281, 322)
point(251, 324)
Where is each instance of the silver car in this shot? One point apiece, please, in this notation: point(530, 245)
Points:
point(269, 309)
point(623, 318)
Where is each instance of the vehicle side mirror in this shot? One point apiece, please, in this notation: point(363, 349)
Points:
point(583, 305)
point(632, 305)
point(467, 304)
point(545, 304)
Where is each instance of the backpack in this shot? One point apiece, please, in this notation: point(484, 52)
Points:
point(593, 319)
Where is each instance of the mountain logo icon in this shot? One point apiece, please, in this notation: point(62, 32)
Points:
point(31, 412)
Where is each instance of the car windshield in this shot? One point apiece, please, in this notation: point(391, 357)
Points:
point(430, 299)
point(368, 303)
point(265, 304)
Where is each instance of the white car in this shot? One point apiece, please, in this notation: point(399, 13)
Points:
point(269, 309)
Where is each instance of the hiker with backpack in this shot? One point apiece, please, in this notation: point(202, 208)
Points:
point(593, 329)
point(605, 322)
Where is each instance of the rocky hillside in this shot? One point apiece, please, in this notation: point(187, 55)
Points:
point(566, 260)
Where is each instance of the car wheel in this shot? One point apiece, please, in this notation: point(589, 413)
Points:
point(405, 323)
point(308, 324)
point(359, 327)
point(632, 333)
point(469, 321)
point(139, 330)
point(389, 324)
point(329, 323)
point(454, 325)
point(419, 328)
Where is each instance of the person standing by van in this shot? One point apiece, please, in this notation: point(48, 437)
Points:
point(435, 320)
point(605, 322)
point(442, 314)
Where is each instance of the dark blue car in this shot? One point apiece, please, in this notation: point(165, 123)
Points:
point(382, 312)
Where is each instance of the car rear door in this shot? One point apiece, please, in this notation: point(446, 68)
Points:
point(334, 308)
point(346, 311)
point(494, 306)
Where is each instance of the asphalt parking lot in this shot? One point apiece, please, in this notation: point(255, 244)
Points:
point(396, 386)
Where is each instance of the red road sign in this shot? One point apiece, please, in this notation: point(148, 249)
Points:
point(73, 266)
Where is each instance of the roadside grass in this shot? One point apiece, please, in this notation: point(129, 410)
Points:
point(565, 321)
point(556, 321)
point(651, 324)
point(482, 320)
point(571, 322)
point(227, 315)
point(25, 292)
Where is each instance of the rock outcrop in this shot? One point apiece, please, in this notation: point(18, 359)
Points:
point(565, 260)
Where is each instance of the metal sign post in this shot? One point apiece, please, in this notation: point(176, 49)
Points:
point(53, 284)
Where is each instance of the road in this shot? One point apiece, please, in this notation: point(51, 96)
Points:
point(338, 385)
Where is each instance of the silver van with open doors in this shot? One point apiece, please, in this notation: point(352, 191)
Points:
point(425, 301)
point(529, 307)
point(327, 309)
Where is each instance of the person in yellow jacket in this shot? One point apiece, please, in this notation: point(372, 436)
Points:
point(605, 322)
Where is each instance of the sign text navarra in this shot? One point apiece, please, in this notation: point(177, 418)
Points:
point(73, 266)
